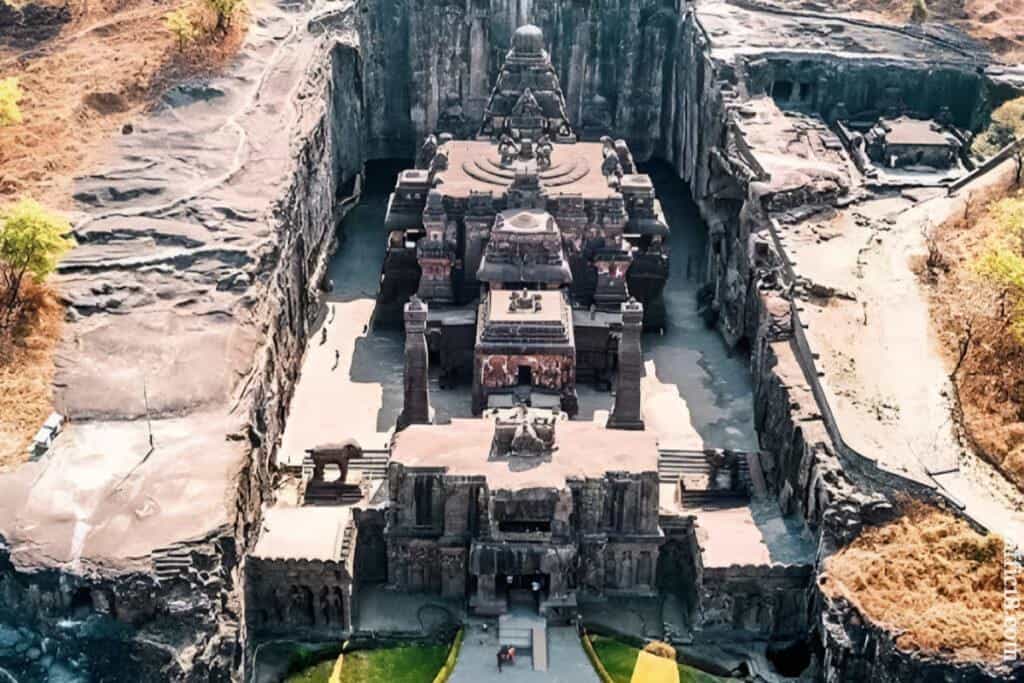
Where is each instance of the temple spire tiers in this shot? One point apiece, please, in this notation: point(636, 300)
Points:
point(416, 406)
point(626, 413)
point(435, 252)
point(527, 100)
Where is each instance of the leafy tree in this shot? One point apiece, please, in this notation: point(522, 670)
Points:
point(10, 95)
point(32, 241)
point(181, 24)
point(1002, 262)
point(224, 11)
point(1007, 125)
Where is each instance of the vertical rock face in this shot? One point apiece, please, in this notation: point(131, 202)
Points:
point(430, 66)
point(174, 615)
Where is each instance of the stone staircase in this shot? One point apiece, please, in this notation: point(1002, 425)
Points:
point(348, 541)
point(171, 562)
point(374, 464)
point(516, 630)
point(703, 484)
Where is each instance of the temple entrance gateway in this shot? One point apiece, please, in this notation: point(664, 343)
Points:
point(523, 590)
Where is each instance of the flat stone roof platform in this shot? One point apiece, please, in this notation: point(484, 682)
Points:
point(476, 165)
point(303, 533)
point(796, 150)
point(750, 533)
point(583, 449)
point(553, 307)
point(907, 131)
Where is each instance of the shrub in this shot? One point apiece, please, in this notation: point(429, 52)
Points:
point(32, 241)
point(1002, 261)
point(10, 95)
point(181, 24)
point(1006, 126)
point(224, 11)
point(918, 12)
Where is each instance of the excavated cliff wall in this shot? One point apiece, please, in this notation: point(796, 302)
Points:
point(430, 66)
point(181, 621)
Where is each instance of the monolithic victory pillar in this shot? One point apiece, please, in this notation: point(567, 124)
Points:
point(416, 409)
point(626, 413)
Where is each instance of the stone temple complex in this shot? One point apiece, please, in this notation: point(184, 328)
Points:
point(519, 318)
point(523, 261)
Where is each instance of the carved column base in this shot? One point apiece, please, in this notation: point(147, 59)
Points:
point(628, 423)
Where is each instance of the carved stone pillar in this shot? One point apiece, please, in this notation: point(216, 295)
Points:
point(416, 408)
point(626, 413)
point(453, 572)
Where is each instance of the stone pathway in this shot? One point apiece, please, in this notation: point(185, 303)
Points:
point(567, 662)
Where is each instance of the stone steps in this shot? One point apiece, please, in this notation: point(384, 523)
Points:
point(520, 638)
point(172, 561)
point(374, 464)
point(347, 541)
point(713, 499)
point(694, 466)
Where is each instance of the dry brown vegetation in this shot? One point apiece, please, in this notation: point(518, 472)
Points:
point(973, 321)
point(26, 371)
point(83, 81)
point(102, 69)
point(930, 580)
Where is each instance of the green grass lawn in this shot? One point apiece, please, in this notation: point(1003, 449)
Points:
point(619, 660)
point(406, 664)
point(410, 664)
point(318, 673)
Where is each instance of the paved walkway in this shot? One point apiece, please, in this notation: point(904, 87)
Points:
point(567, 662)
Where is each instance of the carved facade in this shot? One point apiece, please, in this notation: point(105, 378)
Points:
point(484, 536)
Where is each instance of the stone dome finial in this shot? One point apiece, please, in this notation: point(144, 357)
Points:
point(528, 39)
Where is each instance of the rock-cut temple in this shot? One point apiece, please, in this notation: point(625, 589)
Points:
point(522, 262)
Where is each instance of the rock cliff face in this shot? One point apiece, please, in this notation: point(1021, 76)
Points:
point(176, 613)
point(430, 66)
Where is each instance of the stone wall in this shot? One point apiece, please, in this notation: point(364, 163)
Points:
point(857, 650)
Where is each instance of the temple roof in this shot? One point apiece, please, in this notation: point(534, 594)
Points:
point(916, 132)
point(583, 449)
point(528, 39)
point(476, 165)
point(321, 536)
point(527, 96)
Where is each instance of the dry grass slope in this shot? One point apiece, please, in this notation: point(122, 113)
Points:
point(83, 81)
point(973, 325)
point(26, 373)
point(931, 580)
